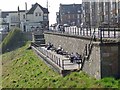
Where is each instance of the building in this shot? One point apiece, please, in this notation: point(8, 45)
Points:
point(101, 13)
point(27, 20)
point(86, 14)
point(57, 17)
point(69, 14)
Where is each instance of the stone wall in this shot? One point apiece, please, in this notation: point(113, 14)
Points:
point(93, 64)
point(28, 35)
point(77, 44)
point(104, 59)
point(110, 60)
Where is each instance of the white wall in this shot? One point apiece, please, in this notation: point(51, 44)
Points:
point(30, 17)
point(22, 17)
point(33, 17)
point(38, 18)
point(13, 17)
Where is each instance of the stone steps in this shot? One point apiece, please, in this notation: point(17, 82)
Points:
point(38, 38)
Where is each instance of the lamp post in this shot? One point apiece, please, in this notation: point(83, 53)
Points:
point(18, 17)
point(100, 28)
point(118, 13)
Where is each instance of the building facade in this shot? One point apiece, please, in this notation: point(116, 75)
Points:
point(69, 14)
point(86, 14)
point(101, 13)
point(27, 20)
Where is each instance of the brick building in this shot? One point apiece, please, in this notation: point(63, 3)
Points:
point(69, 14)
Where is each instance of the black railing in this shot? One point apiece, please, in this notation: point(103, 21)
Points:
point(99, 32)
point(87, 50)
point(84, 54)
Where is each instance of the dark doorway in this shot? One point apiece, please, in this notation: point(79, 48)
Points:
point(24, 28)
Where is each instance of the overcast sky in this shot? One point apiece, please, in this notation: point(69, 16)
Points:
point(11, 5)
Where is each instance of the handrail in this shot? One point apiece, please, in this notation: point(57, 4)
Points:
point(83, 57)
point(34, 44)
point(91, 42)
point(87, 50)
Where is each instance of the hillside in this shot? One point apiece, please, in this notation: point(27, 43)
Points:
point(13, 40)
point(23, 69)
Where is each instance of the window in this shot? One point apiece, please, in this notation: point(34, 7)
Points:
point(36, 14)
point(39, 14)
point(23, 16)
point(45, 18)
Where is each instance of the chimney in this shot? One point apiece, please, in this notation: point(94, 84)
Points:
point(32, 5)
point(26, 6)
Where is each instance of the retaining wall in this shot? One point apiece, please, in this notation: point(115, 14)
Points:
point(101, 57)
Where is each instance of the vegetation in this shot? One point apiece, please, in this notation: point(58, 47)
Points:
point(13, 40)
point(22, 68)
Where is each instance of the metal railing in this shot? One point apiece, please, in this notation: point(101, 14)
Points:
point(99, 32)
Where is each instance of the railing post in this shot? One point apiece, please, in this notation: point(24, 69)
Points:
point(108, 33)
point(103, 30)
point(59, 62)
point(63, 64)
point(90, 31)
point(101, 35)
point(83, 32)
point(86, 49)
point(114, 33)
point(80, 30)
point(75, 30)
point(70, 30)
point(87, 31)
point(55, 59)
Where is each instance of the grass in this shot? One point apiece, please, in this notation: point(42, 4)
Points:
point(23, 69)
point(13, 40)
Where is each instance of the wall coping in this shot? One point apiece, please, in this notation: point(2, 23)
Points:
point(106, 40)
point(68, 35)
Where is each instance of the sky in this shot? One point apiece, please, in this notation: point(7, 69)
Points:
point(12, 5)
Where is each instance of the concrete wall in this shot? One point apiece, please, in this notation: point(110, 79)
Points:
point(77, 44)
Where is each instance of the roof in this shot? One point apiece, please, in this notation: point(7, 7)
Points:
point(5, 13)
point(31, 11)
point(70, 8)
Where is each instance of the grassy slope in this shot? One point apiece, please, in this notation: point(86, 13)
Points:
point(13, 40)
point(22, 68)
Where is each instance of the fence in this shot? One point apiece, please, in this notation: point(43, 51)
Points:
point(99, 32)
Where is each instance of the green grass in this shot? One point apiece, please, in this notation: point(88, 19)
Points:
point(23, 69)
point(13, 40)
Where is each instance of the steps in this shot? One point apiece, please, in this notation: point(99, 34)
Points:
point(38, 38)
